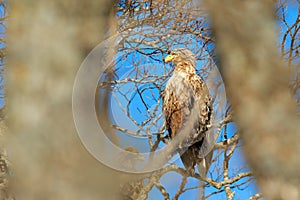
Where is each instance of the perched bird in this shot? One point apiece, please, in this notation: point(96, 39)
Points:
point(184, 91)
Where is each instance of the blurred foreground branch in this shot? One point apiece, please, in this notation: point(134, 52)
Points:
point(48, 41)
point(257, 81)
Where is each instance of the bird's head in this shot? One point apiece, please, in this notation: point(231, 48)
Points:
point(181, 55)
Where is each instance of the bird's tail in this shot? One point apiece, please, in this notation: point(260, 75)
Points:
point(203, 166)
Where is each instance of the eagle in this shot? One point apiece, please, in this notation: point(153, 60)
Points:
point(184, 91)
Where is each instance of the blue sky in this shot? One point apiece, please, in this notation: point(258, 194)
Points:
point(171, 180)
point(2, 33)
point(139, 111)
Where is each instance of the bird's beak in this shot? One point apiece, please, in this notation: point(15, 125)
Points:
point(169, 58)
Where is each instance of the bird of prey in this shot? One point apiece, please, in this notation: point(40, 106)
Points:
point(184, 91)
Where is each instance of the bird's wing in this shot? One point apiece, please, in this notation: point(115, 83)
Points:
point(203, 101)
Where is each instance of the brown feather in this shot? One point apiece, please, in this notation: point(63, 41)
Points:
point(183, 90)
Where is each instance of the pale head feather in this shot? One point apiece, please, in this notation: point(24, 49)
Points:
point(183, 55)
